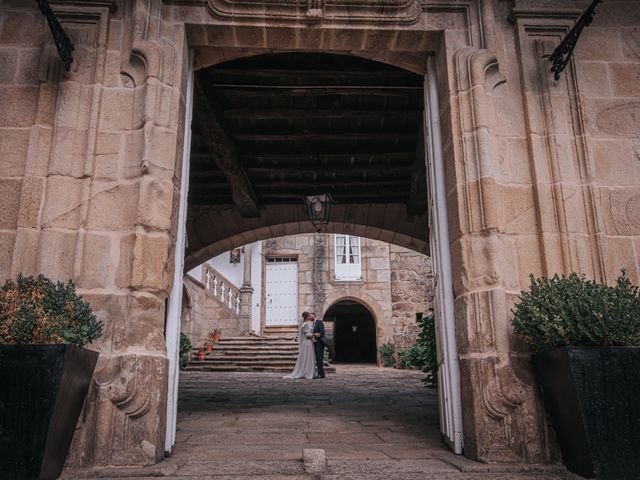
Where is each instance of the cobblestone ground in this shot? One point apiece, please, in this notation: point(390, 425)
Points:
point(372, 423)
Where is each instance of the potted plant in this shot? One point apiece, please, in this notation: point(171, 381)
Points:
point(586, 336)
point(44, 373)
point(201, 355)
point(216, 334)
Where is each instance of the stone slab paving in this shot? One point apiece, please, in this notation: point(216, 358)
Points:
point(373, 423)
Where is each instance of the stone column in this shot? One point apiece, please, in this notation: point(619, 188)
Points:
point(98, 196)
point(246, 294)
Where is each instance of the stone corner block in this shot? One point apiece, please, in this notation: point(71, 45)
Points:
point(315, 460)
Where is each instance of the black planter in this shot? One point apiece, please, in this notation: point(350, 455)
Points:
point(42, 389)
point(593, 396)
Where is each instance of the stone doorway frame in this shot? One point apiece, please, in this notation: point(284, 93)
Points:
point(502, 414)
point(367, 308)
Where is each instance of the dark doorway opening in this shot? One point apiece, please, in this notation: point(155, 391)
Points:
point(354, 332)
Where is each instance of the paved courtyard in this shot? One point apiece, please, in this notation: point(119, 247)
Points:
point(372, 423)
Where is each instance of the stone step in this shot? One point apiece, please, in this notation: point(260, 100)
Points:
point(202, 367)
point(254, 345)
point(206, 367)
point(256, 340)
point(248, 358)
point(242, 355)
point(254, 351)
point(256, 348)
point(280, 328)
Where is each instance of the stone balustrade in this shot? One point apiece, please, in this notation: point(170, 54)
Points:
point(221, 290)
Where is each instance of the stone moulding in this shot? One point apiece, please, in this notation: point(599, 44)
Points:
point(549, 106)
point(352, 11)
point(504, 404)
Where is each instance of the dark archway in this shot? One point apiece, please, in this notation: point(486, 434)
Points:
point(354, 332)
point(270, 129)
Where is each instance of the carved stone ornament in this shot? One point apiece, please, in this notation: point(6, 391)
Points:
point(352, 11)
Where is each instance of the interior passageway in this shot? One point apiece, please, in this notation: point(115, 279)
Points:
point(354, 332)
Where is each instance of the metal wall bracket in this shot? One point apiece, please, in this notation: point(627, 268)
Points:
point(563, 52)
point(60, 37)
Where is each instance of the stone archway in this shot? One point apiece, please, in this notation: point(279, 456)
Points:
point(93, 188)
point(474, 75)
point(354, 333)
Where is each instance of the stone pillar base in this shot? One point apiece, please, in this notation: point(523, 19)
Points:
point(124, 419)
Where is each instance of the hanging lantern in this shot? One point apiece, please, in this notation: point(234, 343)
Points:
point(318, 208)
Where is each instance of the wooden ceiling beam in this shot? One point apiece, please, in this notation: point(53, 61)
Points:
point(266, 149)
point(331, 186)
point(323, 114)
point(313, 77)
point(367, 137)
point(323, 171)
point(347, 159)
point(224, 153)
point(254, 91)
point(277, 198)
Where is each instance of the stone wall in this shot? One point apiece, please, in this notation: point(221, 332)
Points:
point(206, 314)
point(541, 176)
point(395, 281)
point(411, 292)
point(89, 184)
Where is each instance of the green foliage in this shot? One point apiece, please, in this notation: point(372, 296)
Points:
point(422, 354)
point(185, 349)
point(386, 352)
point(185, 344)
point(37, 310)
point(563, 311)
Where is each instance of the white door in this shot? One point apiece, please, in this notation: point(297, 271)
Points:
point(172, 334)
point(448, 367)
point(281, 305)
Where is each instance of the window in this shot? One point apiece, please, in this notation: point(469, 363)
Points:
point(281, 259)
point(347, 258)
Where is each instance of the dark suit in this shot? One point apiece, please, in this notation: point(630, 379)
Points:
point(318, 327)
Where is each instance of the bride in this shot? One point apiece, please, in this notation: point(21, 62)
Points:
point(306, 362)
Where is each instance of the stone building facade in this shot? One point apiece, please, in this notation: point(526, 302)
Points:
point(538, 176)
point(393, 283)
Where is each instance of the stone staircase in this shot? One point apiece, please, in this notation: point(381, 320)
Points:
point(276, 351)
point(249, 354)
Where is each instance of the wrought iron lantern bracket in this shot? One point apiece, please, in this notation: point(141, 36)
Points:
point(318, 209)
point(60, 37)
point(563, 52)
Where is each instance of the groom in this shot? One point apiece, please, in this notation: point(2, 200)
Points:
point(321, 342)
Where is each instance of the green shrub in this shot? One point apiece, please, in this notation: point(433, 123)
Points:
point(36, 310)
point(185, 344)
point(185, 349)
point(563, 311)
point(386, 353)
point(422, 354)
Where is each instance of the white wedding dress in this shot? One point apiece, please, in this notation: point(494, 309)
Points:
point(306, 362)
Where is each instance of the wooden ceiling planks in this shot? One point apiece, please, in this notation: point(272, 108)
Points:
point(310, 123)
